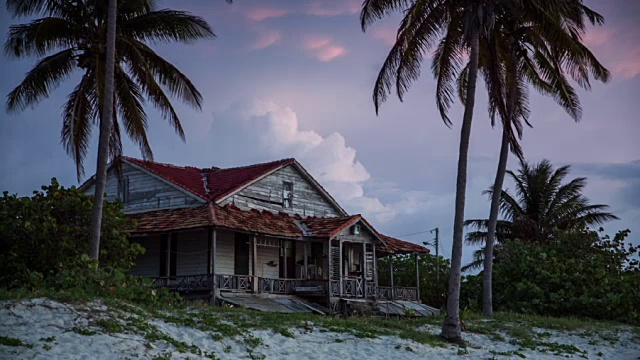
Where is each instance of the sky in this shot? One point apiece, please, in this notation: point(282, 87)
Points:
point(294, 79)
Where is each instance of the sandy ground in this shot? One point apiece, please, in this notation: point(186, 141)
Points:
point(50, 331)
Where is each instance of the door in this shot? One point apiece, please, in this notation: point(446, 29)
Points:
point(242, 248)
point(287, 260)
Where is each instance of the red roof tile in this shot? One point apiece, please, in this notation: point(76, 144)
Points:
point(209, 183)
point(222, 182)
point(173, 219)
point(187, 177)
point(328, 227)
point(398, 246)
point(262, 222)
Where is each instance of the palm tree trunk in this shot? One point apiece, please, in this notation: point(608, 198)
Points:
point(451, 326)
point(487, 291)
point(106, 117)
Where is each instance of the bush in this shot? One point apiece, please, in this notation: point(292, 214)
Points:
point(581, 274)
point(47, 234)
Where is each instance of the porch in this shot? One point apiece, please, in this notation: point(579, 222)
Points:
point(211, 260)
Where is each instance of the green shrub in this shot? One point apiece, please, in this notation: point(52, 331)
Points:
point(43, 235)
point(581, 274)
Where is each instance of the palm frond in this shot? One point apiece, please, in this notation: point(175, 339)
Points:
point(41, 80)
point(165, 26)
point(78, 114)
point(42, 36)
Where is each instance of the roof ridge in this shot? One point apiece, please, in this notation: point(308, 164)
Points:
point(259, 164)
point(167, 164)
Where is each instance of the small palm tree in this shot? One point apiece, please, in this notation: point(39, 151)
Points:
point(72, 37)
point(543, 204)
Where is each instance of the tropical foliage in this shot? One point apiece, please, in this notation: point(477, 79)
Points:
point(49, 232)
point(433, 286)
point(71, 37)
point(581, 274)
point(543, 205)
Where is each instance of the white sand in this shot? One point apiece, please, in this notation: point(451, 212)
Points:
point(32, 321)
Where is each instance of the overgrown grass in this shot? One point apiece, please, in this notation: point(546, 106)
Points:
point(237, 323)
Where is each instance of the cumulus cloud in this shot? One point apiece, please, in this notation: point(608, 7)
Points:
point(323, 48)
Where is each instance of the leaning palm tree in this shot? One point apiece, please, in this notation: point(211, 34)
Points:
point(74, 36)
point(454, 28)
point(543, 205)
point(524, 50)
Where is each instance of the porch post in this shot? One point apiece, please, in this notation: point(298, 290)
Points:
point(418, 277)
point(284, 258)
point(375, 268)
point(254, 262)
point(305, 265)
point(393, 292)
point(329, 270)
point(168, 254)
point(340, 264)
point(214, 242)
point(363, 269)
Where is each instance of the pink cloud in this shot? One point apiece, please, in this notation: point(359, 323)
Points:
point(617, 49)
point(627, 64)
point(323, 48)
point(386, 35)
point(597, 36)
point(260, 14)
point(333, 8)
point(266, 39)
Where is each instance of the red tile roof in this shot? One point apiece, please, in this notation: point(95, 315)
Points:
point(187, 177)
point(261, 222)
point(328, 227)
point(173, 219)
point(398, 246)
point(209, 183)
point(222, 182)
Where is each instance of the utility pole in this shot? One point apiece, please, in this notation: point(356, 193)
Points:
point(437, 246)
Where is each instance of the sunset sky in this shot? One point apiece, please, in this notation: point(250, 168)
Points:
point(294, 79)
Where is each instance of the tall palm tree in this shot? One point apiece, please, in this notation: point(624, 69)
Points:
point(543, 204)
point(531, 44)
point(75, 36)
point(456, 26)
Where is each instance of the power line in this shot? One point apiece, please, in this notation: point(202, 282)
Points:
point(415, 233)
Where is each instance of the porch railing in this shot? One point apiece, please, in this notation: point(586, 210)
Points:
point(290, 286)
point(186, 283)
point(398, 293)
point(233, 282)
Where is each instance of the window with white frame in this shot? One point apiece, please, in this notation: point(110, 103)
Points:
point(287, 194)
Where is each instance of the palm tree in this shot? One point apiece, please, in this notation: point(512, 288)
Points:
point(543, 204)
point(74, 36)
point(456, 26)
point(531, 43)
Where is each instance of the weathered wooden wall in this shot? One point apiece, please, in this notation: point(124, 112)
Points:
point(148, 264)
point(365, 236)
point(146, 192)
point(265, 255)
point(192, 257)
point(266, 194)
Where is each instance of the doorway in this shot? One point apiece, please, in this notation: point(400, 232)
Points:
point(242, 251)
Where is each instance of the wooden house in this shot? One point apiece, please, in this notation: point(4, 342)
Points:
point(263, 229)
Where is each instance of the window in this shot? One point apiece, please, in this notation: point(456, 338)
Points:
point(287, 194)
point(123, 189)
